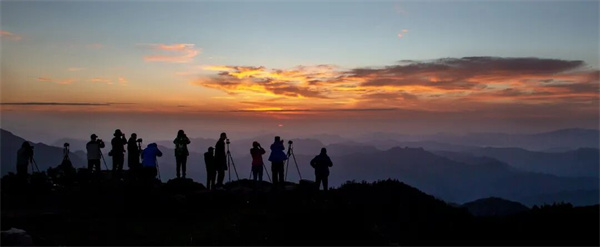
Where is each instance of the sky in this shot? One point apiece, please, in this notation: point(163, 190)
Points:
point(69, 68)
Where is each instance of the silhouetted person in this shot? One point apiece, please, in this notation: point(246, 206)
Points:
point(94, 154)
point(24, 158)
point(211, 171)
point(181, 152)
point(118, 151)
point(149, 162)
point(321, 163)
point(277, 157)
point(220, 159)
point(133, 154)
point(257, 161)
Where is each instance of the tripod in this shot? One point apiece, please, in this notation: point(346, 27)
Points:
point(102, 156)
point(291, 154)
point(264, 168)
point(230, 161)
point(34, 163)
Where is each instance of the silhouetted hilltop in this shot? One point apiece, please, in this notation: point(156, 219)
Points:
point(494, 206)
point(183, 212)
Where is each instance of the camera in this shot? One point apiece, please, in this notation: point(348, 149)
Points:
point(139, 140)
point(227, 140)
point(66, 144)
point(290, 142)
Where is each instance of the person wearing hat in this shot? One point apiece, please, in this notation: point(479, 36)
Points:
point(257, 161)
point(211, 171)
point(94, 153)
point(118, 150)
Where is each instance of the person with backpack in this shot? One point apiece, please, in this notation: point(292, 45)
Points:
point(277, 157)
point(181, 152)
point(211, 172)
point(321, 163)
point(94, 154)
point(149, 161)
point(257, 161)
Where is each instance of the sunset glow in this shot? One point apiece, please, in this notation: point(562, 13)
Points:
point(261, 60)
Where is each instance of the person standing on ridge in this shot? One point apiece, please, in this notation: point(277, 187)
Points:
point(211, 172)
point(181, 152)
point(220, 159)
point(133, 154)
point(277, 157)
point(118, 151)
point(257, 161)
point(94, 154)
point(321, 163)
point(24, 158)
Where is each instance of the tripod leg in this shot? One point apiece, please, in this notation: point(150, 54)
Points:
point(300, 175)
point(287, 165)
point(233, 164)
point(265, 167)
point(228, 167)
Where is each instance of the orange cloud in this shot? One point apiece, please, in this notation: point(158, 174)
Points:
point(60, 82)
point(101, 80)
point(174, 53)
point(74, 69)
point(122, 80)
point(9, 36)
point(426, 85)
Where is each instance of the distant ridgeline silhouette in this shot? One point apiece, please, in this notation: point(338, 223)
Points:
point(453, 176)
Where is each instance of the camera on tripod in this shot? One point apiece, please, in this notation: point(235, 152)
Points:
point(227, 141)
point(290, 142)
point(139, 140)
point(66, 144)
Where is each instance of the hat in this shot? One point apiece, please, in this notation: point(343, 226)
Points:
point(210, 148)
point(118, 132)
point(93, 136)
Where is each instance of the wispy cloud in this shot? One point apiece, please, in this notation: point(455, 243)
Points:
point(173, 53)
point(402, 33)
point(122, 80)
point(468, 82)
point(10, 36)
point(101, 80)
point(55, 104)
point(74, 69)
point(60, 82)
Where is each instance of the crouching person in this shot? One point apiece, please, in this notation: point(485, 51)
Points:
point(149, 161)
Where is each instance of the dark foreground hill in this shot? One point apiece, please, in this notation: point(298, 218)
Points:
point(182, 212)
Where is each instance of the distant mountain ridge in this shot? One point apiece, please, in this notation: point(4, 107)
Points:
point(562, 139)
point(459, 178)
point(45, 156)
